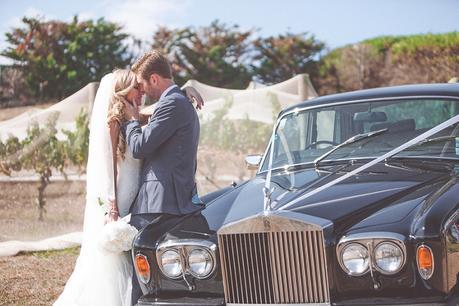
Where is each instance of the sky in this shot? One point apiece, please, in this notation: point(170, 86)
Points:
point(335, 22)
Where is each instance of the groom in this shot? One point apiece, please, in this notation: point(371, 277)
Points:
point(168, 146)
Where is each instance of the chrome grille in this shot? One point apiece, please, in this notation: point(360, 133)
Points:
point(274, 267)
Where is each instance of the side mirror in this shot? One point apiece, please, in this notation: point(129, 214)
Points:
point(253, 161)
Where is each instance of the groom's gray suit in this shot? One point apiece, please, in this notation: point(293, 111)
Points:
point(168, 147)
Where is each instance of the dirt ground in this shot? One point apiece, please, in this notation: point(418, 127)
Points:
point(35, 278)
point(38, 278)
point(19, 212)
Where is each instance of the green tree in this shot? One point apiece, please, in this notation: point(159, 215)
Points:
point(58, 58)
point(282, 57)
point(9, 155)
point(77, 144)
point(388, 61)
point(216, 54)
point(42, 152)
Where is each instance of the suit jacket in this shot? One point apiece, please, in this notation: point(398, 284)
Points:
point(168, 146)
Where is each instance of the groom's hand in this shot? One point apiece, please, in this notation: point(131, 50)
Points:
point(131, 111)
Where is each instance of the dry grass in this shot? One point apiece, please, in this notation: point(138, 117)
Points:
point(35, 278)
point(38, 278)
point(19, 212)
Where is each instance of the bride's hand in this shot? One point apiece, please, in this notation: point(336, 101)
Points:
point(131, 111)
point(194, 96)
point(113, 214)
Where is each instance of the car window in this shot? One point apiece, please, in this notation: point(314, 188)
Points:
point(303, 136)
point(424, 113)
point(326, 120)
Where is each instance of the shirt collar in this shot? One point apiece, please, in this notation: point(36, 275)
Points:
point(168, 89)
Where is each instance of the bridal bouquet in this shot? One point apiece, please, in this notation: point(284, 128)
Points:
point(117, 236)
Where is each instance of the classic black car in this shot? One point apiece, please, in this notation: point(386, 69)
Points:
point(355, 202)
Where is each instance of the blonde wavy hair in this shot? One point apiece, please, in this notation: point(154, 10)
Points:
point(124, 80)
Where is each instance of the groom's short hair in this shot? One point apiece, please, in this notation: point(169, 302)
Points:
point(152, 62)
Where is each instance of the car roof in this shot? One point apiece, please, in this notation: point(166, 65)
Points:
point(418, 90)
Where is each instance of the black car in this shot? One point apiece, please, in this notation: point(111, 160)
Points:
point(355, 202)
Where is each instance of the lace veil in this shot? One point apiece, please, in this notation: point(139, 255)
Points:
point(98, 278)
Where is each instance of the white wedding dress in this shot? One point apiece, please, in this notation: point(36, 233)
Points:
point(102, 278)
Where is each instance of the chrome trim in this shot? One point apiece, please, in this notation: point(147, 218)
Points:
point(433, 261)
point(183, 247)
point(253, 161)
point(308, 304)
point(452, 252)
point(379, 268)
point(269, 222)
point(186, 242)
point(344, 267)
point(371, 240)
point(275, 257)
point(373, 235)
point(212, 258)
point(305, 108)
point(450, 220)
point(180, 253)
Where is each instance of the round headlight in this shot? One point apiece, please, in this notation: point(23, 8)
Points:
point(171, 264)
point(355, 258)
point(200, 263)
point(388, 257)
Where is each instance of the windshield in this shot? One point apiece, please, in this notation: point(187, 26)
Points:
point(303, 136)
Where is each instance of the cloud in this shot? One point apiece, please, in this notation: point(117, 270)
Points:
point(141, 17)
point(86, 16)
point(30, 12)
point(33, 12)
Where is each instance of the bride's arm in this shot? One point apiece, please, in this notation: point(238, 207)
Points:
point(191, 93)
point(114, 128)
point(194, 96)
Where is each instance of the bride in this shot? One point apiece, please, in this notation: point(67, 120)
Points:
point(112, 179)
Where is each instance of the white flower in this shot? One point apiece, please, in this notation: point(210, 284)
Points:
point(117, 237)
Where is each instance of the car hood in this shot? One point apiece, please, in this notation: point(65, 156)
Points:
point(386, 194)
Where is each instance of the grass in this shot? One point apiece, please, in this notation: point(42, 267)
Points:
point(35, 278)
point(52, 253)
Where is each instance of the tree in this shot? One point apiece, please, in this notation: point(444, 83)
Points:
point(216, 54)
point(58, 58)
point(280, 58)
point(77, 145)
point(42, 152)
point(388, 61)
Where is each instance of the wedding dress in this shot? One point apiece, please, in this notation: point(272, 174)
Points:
point(102, 278)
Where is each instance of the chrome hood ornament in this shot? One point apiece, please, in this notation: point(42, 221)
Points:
point(267, 190)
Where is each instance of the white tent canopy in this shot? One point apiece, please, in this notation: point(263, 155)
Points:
point(68, 110)
point(258, 103)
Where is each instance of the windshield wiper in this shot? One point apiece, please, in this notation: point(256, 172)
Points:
point(434, 139)
point(351, 140)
